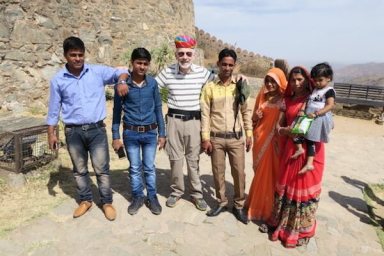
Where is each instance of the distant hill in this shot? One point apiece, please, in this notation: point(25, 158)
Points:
point(366, 74)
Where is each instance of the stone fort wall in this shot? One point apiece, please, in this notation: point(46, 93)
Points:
point(251, 63)
point(32, 32)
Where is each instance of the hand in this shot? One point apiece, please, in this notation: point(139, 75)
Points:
point(311, 115)
point(259, 113)
point(254, 123)
point(301, 113)
point(122, 89)
point(161, 143)
point(285, 131)
point(206, 146)
point(116, 144)
point(52, 141)
point(248, 144)
point(241, 77)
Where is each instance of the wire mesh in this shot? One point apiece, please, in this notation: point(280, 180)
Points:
point(25, 149)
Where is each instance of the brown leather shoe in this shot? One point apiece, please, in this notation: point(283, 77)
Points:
point(109, 212)
point(83, 208)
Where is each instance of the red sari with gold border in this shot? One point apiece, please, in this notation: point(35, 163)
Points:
point(296, 196)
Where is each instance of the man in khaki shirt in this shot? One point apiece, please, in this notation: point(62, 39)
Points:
point(222, 121)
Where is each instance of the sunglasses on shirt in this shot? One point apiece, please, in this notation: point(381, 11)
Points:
point(181, 54)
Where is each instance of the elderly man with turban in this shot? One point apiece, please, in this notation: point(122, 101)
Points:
point(184, 81)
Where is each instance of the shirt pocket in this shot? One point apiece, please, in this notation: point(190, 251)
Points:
point(218, 103)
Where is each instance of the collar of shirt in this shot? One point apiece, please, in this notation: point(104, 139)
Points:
point(133, 84)
point(85, 70)
point(218, 81)
point(177, 69)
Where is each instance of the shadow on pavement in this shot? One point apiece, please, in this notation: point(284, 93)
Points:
point(364, 187)
point(64, 180)
point(120, 184)
point(376, 211)
point(354, 205)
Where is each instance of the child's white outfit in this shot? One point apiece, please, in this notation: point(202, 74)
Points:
point(323, 124)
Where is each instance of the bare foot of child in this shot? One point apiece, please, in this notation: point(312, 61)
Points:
point(306, 168)
point(297, 153)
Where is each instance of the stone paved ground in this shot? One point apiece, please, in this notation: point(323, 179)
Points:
point(354, 158)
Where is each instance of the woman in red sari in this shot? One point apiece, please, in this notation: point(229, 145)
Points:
point(269, 103)
point(297, 195)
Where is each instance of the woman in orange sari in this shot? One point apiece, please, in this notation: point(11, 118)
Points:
point(269, 103)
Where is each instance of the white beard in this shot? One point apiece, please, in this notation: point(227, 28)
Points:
point(185, 65)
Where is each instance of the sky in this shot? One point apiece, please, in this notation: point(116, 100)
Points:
point(305, 32)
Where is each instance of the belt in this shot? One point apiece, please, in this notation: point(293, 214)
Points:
point(184, 112)
point(226, 135)
point(140, 128)
point(184, 117)
point(85, 127)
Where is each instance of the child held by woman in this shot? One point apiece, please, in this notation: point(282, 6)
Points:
point(318, 107)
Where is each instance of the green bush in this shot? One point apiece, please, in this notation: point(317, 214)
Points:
point(164, 94)
point(161, 56)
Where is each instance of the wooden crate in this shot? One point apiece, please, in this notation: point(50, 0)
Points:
point(24, 149)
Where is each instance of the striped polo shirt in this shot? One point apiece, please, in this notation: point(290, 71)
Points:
point(184, 89)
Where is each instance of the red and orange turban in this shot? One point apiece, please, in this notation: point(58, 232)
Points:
point(185, 42)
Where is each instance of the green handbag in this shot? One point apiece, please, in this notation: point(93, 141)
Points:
point(301, 125)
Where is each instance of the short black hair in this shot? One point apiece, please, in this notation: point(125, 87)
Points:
point(322, 69)
point(227, 53)
point(140, 53)
point(73, 43)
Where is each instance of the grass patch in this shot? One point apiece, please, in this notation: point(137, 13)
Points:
point(3, 184)
point(45, 189)
point(374, 197)
point(49, 186)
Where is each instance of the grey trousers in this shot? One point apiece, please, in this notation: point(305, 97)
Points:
point(183, 140)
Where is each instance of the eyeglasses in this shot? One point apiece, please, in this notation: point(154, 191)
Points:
point(181, 54)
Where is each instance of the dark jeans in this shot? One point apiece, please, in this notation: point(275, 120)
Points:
point(94, 141)
point(141, 151)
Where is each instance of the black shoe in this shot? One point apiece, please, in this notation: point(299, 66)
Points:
point(240, 215)
point(154, 205)
point(216, 211)
point(136, 204)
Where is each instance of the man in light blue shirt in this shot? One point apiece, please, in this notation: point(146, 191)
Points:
point(77, 91)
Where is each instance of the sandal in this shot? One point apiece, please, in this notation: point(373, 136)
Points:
point(263, 228)
point(302, 241)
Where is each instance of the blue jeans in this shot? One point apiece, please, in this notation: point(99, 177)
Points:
point(93, 140)
point(144, 143)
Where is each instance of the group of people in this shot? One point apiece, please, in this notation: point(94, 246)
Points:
point(206, 113)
